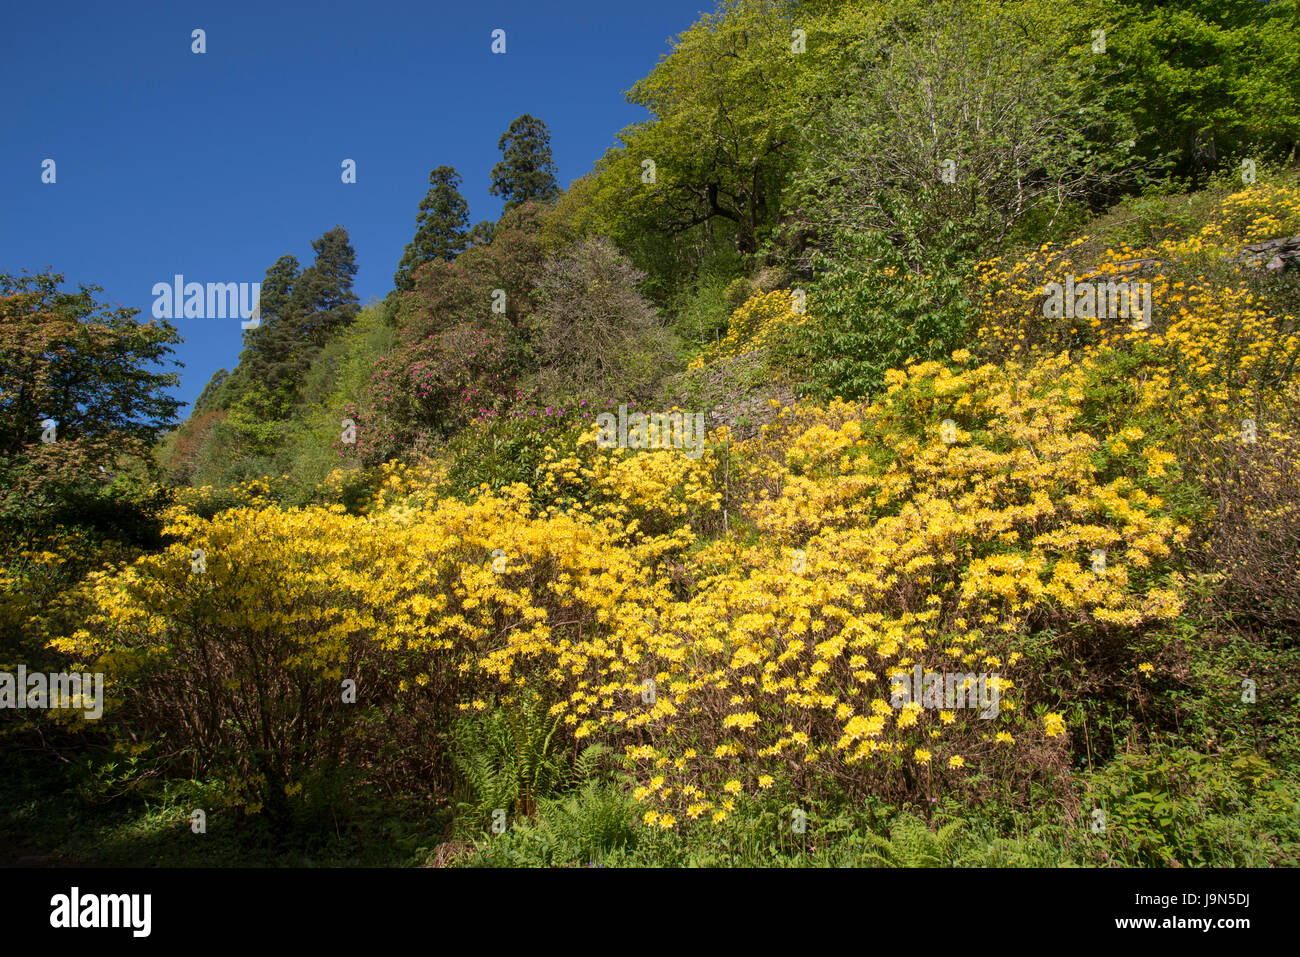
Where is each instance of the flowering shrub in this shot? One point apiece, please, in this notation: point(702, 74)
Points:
point(428, 388)
point(1216, 350)
point(730, 624)
point(918, 551)
point(241, 663)
point(758, 324)
point(458, 357)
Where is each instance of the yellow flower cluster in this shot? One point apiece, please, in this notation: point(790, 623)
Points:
point(756, 324)
point(1213, 350)
point(969, 507)
point(917, 547)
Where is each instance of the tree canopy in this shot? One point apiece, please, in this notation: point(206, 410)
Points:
point(81, 393)
point(440, 226)
point(527, 170)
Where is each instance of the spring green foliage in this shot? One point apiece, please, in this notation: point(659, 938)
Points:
point(1207, 82)
point(974, 127)
point(874, 313)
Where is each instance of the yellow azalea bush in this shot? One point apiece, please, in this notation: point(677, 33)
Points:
point(756, 325)
point(35, 573)
point(1262, 211)
point(31, 574)
point(917, 551)
point(1213, 349)
point(658, 493)
point(887, 548)
point(731, 623)
point(244, 656)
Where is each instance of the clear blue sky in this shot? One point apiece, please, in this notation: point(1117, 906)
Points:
point(214, 165)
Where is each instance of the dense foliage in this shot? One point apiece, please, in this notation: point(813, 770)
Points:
point(401, 573)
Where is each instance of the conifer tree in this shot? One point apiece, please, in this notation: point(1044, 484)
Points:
point(299, 311)
point(269, 348)
point(323, 294)
point(527, 170)
point(439, 226)
point(481, 234)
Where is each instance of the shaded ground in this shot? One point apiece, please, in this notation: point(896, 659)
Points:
point(46, 822)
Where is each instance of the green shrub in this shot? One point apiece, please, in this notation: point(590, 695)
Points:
point(1177, 807)
point(509, 448)
point(872, 314)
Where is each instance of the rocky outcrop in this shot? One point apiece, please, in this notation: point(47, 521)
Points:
point(1272, 254)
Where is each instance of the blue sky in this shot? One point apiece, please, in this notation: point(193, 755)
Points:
point(214, 165)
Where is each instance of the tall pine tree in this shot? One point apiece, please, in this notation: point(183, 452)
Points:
point(323, 293)
point(271, 345)
point(300, 312)
point(439, 226)
point(267, 356)
point(527, 170)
